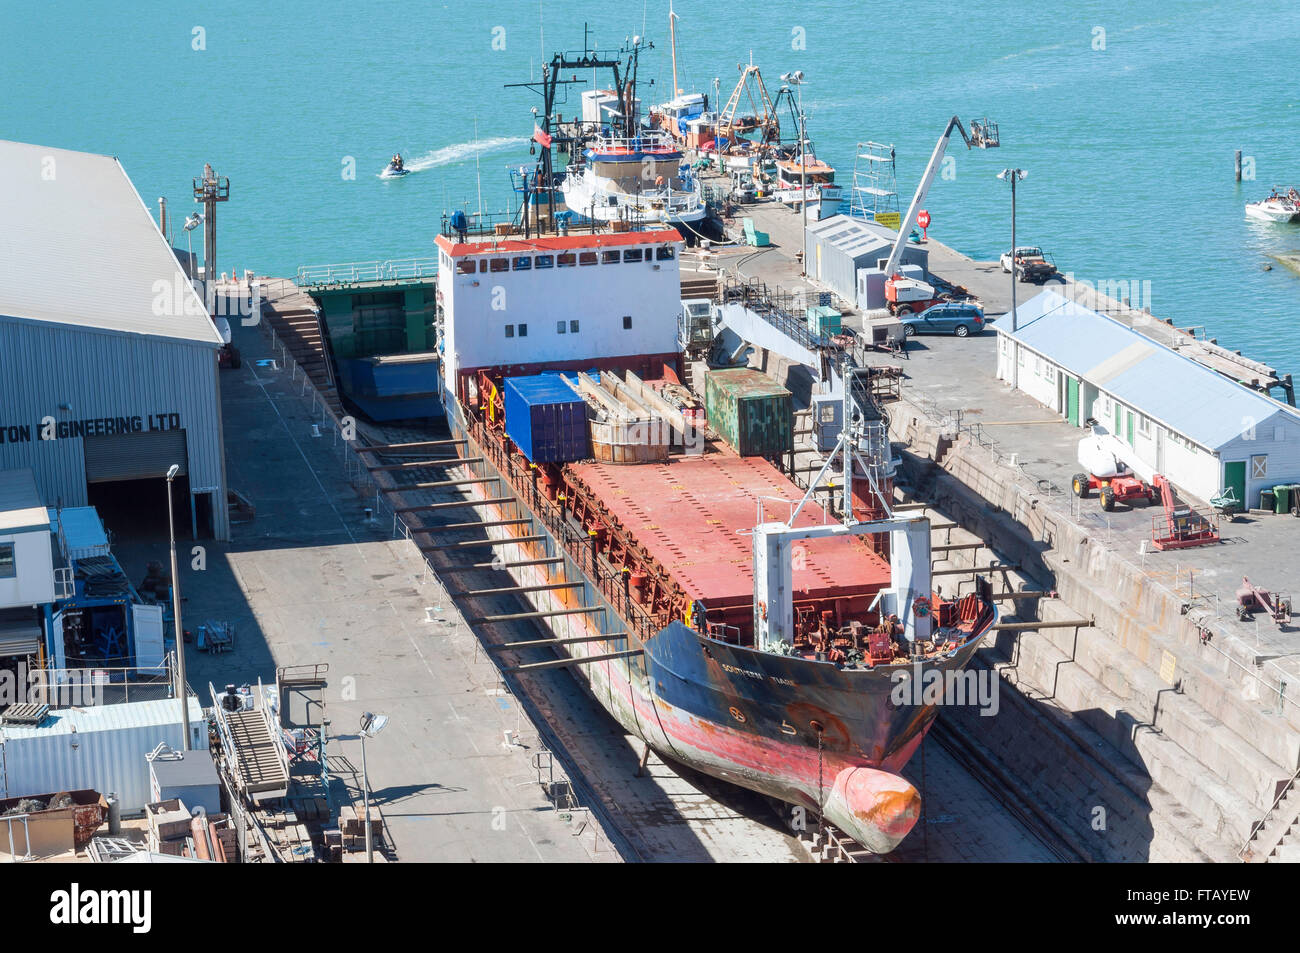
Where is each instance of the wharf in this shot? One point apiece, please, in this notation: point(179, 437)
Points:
point(1014, 426)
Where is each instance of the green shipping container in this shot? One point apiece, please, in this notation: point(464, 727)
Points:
point(750, 411)
point(825, 320)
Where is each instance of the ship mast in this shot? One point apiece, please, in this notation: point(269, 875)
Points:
point(672, 33)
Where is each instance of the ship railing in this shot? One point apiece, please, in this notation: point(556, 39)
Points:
point(357, 271)
point(777, 307)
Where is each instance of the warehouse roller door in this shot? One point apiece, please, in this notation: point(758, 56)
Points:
point(134, 456)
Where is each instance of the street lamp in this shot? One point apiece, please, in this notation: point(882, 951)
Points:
point(191, 222)
point(1013, 176)
point(796, 79)
point(176, 616)
point(371, 725)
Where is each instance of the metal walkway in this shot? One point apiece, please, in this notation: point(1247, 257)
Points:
point(256, 755)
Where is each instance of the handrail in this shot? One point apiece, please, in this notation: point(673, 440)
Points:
point(356, 271)
point(1259, 824)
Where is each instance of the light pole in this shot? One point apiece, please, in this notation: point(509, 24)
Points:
point(1013, 175)
point(176, 616)
point(191, 223)
point(796, 79)
point(371, 725)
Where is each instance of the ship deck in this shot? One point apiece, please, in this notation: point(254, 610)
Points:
point(693, 514)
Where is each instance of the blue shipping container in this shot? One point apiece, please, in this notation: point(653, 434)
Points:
point(546, 419)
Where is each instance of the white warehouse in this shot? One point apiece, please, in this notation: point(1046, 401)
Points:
point(108, 358)
point(1203, 431)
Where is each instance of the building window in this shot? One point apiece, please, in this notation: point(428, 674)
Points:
point(566, 260)
point(499, 265)
point(8, 569)
point(1020, 357)
point(559, 327)
point(587, 258)
point(1049, 371)
point(510, 330)
point(609, 257)
point(1144, 425)
point(523, 330)
point(664, 253)
point(545, 261)
point(466, 266)
point(1006, 344)
point(632, 254)
point(627, 322)
point(573, 327)
point(523, 263)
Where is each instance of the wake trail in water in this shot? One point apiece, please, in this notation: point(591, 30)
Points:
point(449, 155)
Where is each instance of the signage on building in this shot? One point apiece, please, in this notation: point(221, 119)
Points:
point(50, 429)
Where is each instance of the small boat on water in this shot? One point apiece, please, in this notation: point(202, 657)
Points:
point(396, 168)
point(1278, 207)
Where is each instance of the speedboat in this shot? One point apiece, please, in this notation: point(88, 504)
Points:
point(1277, 207)
point(394, 171)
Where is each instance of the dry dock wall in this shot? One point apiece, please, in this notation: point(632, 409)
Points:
point(1135, 715)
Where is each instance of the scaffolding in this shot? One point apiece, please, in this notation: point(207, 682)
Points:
point(875, 184)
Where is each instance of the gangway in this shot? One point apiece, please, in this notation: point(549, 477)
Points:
point(255, 758)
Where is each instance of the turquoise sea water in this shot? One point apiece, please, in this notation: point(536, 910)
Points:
point(1129, 148)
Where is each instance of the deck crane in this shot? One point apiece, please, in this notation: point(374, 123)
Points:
point(909, 294)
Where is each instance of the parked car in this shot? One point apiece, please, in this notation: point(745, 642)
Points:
point(1031, 264)
point(950, 317)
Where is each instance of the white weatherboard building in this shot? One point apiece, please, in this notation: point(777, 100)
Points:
point(108, 359)
point(1203, 431)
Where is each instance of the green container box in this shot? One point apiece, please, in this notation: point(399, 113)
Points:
point(825, 320)
point(750, 411)
point(1282, 498)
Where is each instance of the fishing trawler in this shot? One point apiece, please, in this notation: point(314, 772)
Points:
point(721, 615)
point(639, 180)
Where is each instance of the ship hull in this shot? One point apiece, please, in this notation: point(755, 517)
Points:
point(822, 738)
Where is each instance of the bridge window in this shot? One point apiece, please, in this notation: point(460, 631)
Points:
point(7, 568)
point(545, 261)
point(510, 330)
point(566, 260)
point(587, 258)
point(523, 330)
point(466, 266)
point(500, 265)
point(609, 257)
point(665, 253)
point(632, 254)
point(523, 263)
point(573, 327)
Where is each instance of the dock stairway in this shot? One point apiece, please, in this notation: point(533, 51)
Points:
point(256, 760)
point(1268, 839)
point(297, 326)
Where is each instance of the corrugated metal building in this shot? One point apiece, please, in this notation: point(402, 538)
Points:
point(1200, 429)
point(100, 748)
point(108, 369)
point(841, 245)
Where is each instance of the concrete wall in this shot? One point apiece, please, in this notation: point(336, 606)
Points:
point(1136, 715)
point(98, 374)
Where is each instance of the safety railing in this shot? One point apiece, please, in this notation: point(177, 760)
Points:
point(1244, 852)
point(354, 272)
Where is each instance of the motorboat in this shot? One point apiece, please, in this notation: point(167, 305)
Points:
point(1278, 207)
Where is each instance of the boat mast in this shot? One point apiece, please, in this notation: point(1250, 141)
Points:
point(672, 33)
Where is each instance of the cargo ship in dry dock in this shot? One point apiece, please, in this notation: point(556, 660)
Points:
point(718, 612)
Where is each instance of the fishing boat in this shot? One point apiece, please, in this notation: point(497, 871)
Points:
point(721, 615)
point(1278, 207)
point(803, 177)
point(639, 180)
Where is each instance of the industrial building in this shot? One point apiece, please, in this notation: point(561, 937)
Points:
point(108, 357)
point(840, 247)
point(1203, 431)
